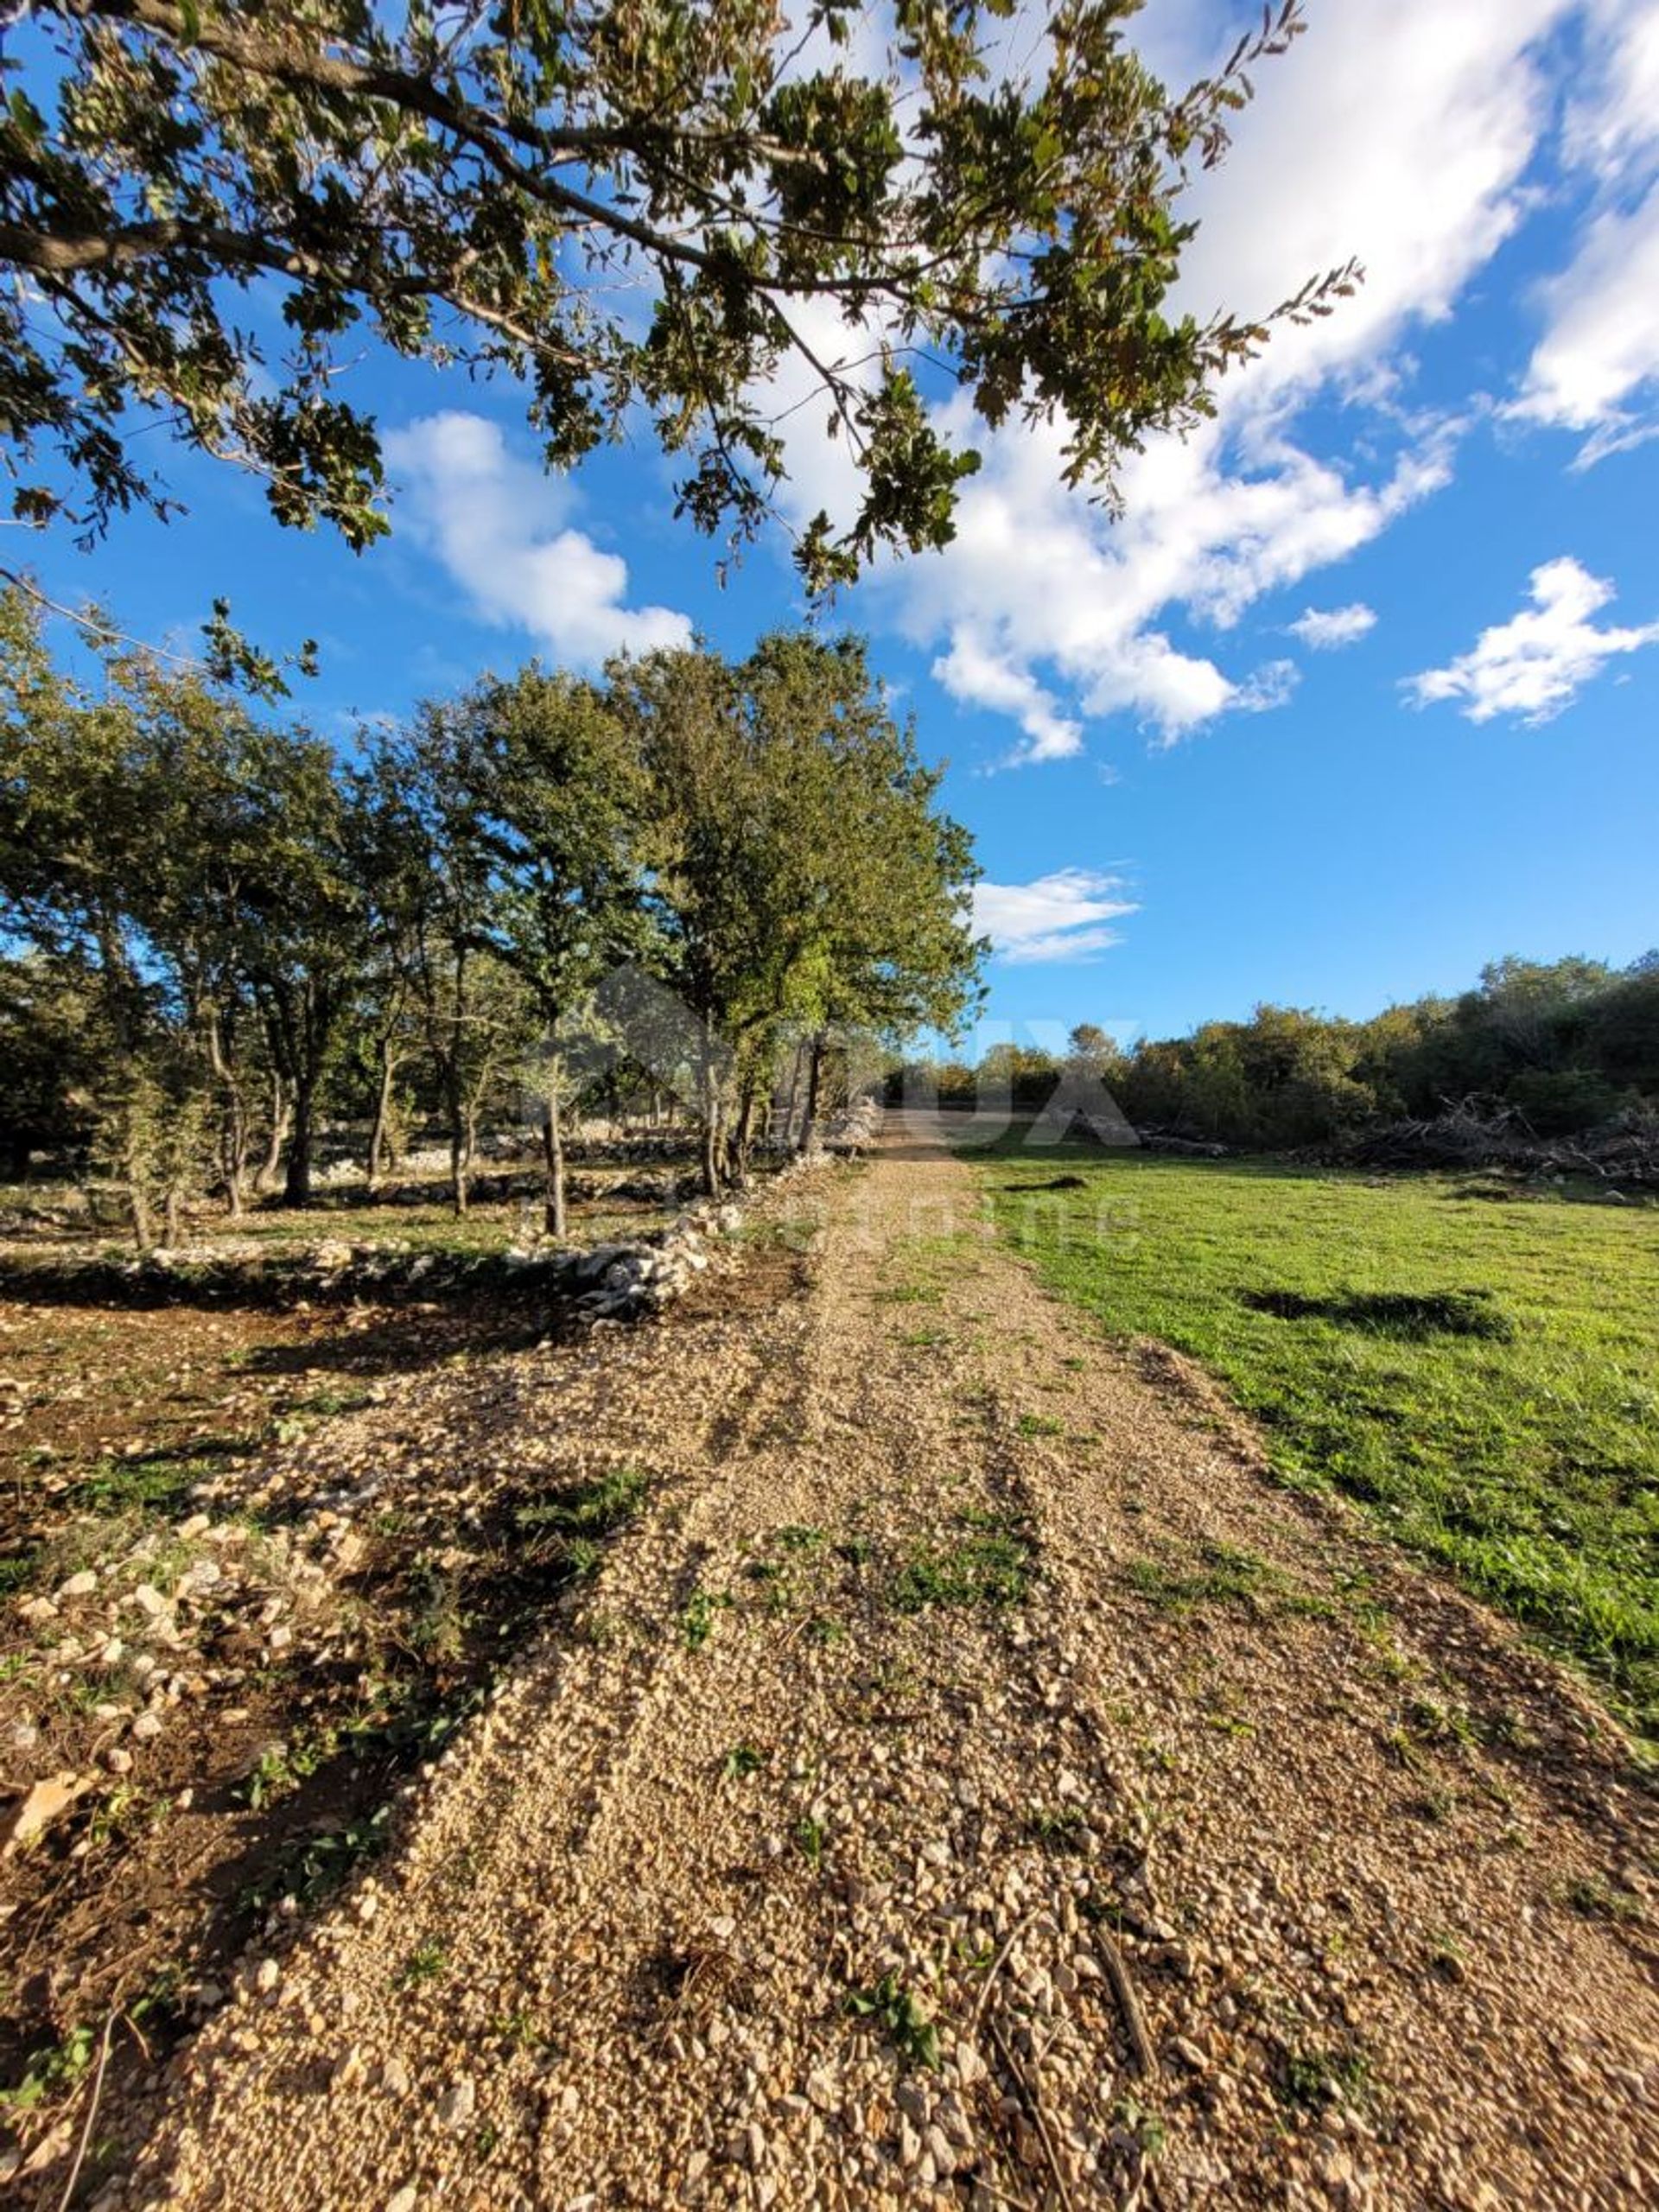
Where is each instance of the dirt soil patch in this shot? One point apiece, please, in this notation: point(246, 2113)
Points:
point(222, 1676)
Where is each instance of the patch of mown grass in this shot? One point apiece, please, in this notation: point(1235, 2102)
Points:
point(589, 1512)
point(1222, 1576)
point(1316, 2079)
point(1485, 1379)
point(1416, 1315)
point(991, 1563)
point(1034, 1425)
point(160, 1483)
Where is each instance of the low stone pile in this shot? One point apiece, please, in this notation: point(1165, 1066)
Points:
point(854, 1128)
point(624, 1281)
point(627, 1280)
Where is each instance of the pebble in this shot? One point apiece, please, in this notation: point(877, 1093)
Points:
point(458, 2102)
point(81, 1584)
point(149, 1601)
point(266, 1976)
point(147, 1727)
point(405, 2199)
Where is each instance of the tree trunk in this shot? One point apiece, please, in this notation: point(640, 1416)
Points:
point(708, 1104)
point(139, 1213)
point(814, 1079)
point(737, 1153)
point(786, 1135)
point(460, 1147)
point(233, 1134)
point(235, 1158)
point(553, 1153)
point(143, 1228)
point(297, 1184)
point(378, 1144)
point(711, 1182)
point(281, 1120)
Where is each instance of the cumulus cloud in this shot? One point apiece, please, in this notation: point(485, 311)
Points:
point(1328, 629)
point(980, 677)
point(498, 525)
point(1535, 665)
point(1065, 916)
point(1595, 369)
point(1600, 353)
point(1397, 130)
point(1053, 613)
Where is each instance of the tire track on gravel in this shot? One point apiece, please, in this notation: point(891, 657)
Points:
point(820, 1906)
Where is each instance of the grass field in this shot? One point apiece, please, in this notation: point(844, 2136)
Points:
point(1480, 1367)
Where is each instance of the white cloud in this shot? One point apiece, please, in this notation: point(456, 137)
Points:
point(1397, 130)
point(497, 524)
point(1601, 348)
point(1328, 629)
point(1535, 665)
point(981, 678)
point(1597, 364)
point(1052, 612)
point(1065, 916)
point(1612, 122)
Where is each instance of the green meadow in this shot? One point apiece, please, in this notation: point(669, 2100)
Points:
point(1480, 1365)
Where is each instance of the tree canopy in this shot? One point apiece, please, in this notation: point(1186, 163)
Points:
point(227, 931)
point(642, 208)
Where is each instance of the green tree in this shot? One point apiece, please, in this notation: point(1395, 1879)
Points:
point(875, 934)
point(803, 870)
point(806, 877)
point(1624, 1027)
point(500, 190)
point(429, 868)
point(84, 808)
point(52, 1053)
point(558, 797)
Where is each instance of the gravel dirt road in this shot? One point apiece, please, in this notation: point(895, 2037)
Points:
point(970, 1782)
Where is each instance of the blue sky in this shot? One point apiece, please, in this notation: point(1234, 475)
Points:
point(1362, 691)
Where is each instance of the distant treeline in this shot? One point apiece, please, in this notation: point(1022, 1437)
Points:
point(1566, 1046)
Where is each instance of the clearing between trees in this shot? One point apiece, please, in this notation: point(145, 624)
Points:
point(871, 1828)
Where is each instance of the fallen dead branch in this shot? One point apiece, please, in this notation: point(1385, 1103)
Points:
point(1128, 2006)
point(996, 1967)
point(1031, 2091)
